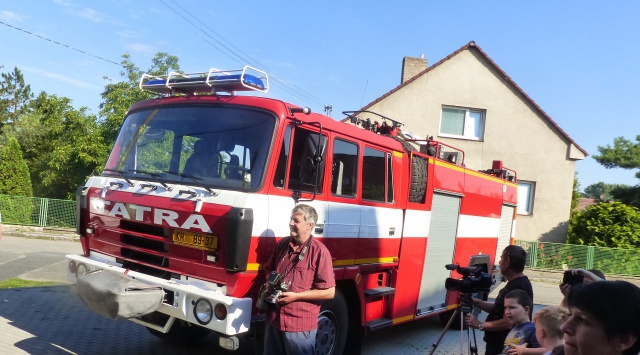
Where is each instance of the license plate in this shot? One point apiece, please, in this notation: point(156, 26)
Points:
point(195, 240)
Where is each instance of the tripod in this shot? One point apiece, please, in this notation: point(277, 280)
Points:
point(465, 305)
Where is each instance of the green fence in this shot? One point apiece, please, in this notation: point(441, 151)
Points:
point(557, 256)
point(40, 212)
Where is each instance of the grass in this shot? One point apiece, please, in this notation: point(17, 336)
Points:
point(18, 283)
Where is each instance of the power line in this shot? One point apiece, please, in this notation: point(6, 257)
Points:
point(278, 77)
point(245, 58)
point(241, 59)
point(60, 44)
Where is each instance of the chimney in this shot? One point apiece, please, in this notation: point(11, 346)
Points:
point(412, 66)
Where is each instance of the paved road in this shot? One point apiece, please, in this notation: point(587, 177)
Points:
point(35, 259)
point(53, 320)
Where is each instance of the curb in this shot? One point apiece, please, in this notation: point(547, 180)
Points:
point(40, 233)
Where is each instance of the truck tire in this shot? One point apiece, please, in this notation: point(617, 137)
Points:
point(408, 147)
point(418, 186)
point(333, 326)
point(182, 333)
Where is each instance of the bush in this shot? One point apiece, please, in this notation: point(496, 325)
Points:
point(16, 210)
point(606, 224)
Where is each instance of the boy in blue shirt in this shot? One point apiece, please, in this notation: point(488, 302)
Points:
point(517, 304)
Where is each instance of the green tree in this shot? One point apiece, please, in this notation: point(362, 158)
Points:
point(626, 155)
point(575, 194)
point(61, 145)
point(601, 191)
point(119, 96)
point(74, 146)
point(15, 97)
point(31, 133)
point(14, 173)
point(629, 195)
point(605, 224)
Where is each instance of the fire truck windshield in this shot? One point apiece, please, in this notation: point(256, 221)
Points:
point(223, 147)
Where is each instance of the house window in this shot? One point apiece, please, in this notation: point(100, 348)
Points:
point(462, 123)
point(526, 193)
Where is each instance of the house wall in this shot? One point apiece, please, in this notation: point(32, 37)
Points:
point(515, 132)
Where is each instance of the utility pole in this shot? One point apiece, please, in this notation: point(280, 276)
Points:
point(327, 110)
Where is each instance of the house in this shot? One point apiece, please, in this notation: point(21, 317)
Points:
point(584, 202)
point(467, 101)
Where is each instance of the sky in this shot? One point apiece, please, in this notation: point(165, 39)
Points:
point(578, 60)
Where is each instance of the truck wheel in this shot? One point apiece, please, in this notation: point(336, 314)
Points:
point(182, 333)
point(333, 326)
point(418, 180)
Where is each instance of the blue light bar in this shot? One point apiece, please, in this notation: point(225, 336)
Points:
point(214, 81)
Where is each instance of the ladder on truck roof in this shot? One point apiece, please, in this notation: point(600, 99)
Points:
point(213, 81)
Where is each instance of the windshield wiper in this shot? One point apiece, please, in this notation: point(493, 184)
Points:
point(122, 174)
point(154, 176)
point(196, 180)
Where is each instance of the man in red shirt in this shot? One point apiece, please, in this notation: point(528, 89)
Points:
point(307, 273)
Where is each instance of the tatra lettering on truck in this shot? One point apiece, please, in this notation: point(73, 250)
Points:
point(146, 214)
point(199, 185)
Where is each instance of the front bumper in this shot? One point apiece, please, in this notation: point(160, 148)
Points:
point(183, 300)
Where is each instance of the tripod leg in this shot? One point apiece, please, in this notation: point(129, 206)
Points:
point(473, 348)
point(462, 330)
point(453, 316)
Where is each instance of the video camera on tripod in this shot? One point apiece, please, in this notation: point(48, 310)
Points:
point(474, 279)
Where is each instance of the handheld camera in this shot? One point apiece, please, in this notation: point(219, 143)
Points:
point(571, 279)
point(270, 295)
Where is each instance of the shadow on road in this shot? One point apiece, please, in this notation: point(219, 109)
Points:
point(53, 320)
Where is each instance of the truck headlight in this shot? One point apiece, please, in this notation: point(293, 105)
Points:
point(203, 311)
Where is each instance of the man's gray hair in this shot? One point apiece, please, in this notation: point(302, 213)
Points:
point(309, 213)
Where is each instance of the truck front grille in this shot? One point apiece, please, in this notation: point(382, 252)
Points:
point(145, 243)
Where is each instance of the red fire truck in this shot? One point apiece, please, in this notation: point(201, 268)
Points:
point(199, 187)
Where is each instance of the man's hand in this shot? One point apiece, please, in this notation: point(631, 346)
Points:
point(586, 273)
point(472, 321)
point(308, 295)
point(287, 297)
point(564, 289)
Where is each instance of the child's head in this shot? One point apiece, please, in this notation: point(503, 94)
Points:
point(548, 321)
point(517, 304)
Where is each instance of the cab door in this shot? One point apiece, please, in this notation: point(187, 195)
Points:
point(380, 222)
point(299, 178)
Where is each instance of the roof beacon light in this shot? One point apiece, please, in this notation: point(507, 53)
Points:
point(213, 81)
